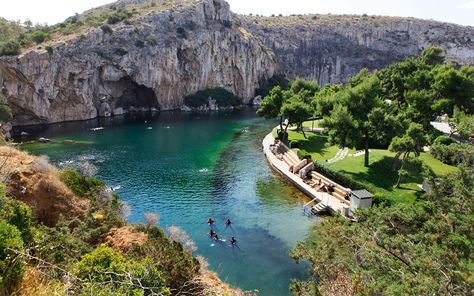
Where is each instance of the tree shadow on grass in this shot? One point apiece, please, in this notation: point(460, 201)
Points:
point(380, 175)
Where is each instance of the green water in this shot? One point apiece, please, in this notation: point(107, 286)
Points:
point(189, 167)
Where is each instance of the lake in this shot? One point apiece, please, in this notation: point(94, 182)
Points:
point(188, 167)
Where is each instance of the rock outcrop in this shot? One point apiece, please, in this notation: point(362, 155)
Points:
point(154, 59)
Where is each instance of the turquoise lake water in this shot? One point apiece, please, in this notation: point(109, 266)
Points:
point(188, 167)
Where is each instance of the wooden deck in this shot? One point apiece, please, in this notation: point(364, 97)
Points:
point(314, 188)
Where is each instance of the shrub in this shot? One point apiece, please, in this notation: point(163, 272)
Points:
point(338, 177)
point(178, 265)
point(151, 219)
point(177, 234)
point(12, 266)
point(113, 19)
point(58, 245)
point(39, 36)
point(17, 214)
point(79, 184)
point(444, 140)
point(106, 29)
point(237, 23)
point(9, 48)
point(130, 277)
point(118, 16)
point(453, 154)
point(222, 96)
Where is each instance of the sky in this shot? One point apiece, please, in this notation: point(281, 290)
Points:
point(453, 11)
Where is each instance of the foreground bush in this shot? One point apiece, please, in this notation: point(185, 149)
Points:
point(12, 266)
point(16, 214)
point(107, 269)
point(424, 248)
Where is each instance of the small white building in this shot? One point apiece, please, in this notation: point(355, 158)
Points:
point(361, 199)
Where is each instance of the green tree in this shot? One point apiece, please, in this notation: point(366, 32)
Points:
point(423, 248)
point(433, 56)
point(412, 141)
point(271, 105)
point(296, 111)
point(360, 100)
point(454, 87)
point(339, 126)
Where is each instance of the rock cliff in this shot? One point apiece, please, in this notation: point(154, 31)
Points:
point(151, 61)
point(331, 48)
point(157, 57)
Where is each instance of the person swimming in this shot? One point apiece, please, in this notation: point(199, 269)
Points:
point(227, 222)
point(233, 241)
point(210, 221)
point(212, 233)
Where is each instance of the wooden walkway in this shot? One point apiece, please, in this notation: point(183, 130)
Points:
point(283, 159)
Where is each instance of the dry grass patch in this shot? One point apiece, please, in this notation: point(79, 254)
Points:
point(34, 181)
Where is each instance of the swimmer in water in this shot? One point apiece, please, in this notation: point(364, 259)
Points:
point(233, 241)
point(210, 221)
point(228, 222)
point(211, 233)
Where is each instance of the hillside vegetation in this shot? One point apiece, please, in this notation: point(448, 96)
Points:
point(15, 35)
point(62, 232)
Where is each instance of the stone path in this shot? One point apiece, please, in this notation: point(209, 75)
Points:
point(340, 155)
point(358, 153)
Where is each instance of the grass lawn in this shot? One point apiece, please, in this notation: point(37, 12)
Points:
point(378, 177)
point(311, 123)
point(314, 144)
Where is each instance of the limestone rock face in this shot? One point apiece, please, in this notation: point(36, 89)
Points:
point(150, 63)
point(153, 60)
point(331, 49)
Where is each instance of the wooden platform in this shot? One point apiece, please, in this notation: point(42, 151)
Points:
point(281, 162)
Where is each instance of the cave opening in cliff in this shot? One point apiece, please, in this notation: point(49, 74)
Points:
point(136, 96)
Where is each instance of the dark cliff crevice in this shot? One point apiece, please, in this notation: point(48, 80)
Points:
point(136, 96)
